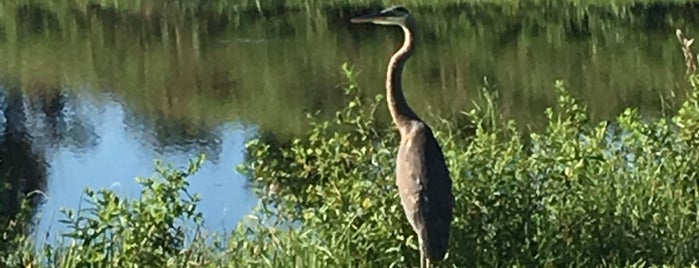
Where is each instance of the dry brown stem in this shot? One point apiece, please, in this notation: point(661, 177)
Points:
point(687, 50)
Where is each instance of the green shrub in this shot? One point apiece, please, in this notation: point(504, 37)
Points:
point(614, 193)
point(158, 229)
point(16, 236)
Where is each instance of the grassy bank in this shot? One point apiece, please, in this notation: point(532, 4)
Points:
point(579, 193)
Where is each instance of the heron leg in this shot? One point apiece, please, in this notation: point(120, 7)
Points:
point(422, 257)
point(428, 264)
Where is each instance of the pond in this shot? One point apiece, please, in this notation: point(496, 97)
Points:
point(92, 95)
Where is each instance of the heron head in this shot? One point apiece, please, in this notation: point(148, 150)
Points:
point(395, 15)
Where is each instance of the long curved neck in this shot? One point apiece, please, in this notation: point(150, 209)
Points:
point(401, 112)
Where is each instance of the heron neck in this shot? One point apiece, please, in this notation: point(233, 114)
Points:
point(401, 112)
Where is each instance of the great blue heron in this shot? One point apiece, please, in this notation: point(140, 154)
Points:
point(422, 175)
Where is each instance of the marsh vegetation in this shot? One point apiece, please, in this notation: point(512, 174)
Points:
point(580, 186)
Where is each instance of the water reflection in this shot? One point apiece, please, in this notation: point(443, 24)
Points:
point(212, 67)
point(23, 169)
point(167, 135)
point(127, 145)
point(60, 121)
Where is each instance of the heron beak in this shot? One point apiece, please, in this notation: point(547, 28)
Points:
point(368, 18)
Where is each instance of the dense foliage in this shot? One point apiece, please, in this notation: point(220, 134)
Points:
point(580, 193)
point(620, 192)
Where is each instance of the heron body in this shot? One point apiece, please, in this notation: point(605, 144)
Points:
point(422, 175)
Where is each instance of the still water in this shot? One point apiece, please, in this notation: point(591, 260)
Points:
point(91, 95)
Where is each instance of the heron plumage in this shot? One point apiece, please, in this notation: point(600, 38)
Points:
point(422, 176)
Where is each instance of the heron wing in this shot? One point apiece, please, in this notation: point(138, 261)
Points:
point(425, 187)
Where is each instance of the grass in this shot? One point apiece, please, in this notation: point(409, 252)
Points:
point(579, 193)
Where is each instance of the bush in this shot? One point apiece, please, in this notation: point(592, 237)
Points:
point(159, 229)
point(620, 192)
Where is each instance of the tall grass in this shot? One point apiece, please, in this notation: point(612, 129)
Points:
point(579, 193)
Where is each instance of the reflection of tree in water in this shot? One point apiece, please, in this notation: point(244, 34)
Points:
point(33, 127)
point(166, 134)
point(23, 168)
point(60, 122)
point(35, 19)
point(187, 137)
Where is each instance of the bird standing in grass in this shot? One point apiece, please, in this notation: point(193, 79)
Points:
point(422, 176)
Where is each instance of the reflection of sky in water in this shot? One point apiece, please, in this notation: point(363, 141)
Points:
point(117, 158)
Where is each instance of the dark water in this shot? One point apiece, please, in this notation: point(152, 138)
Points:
point(90, 95)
